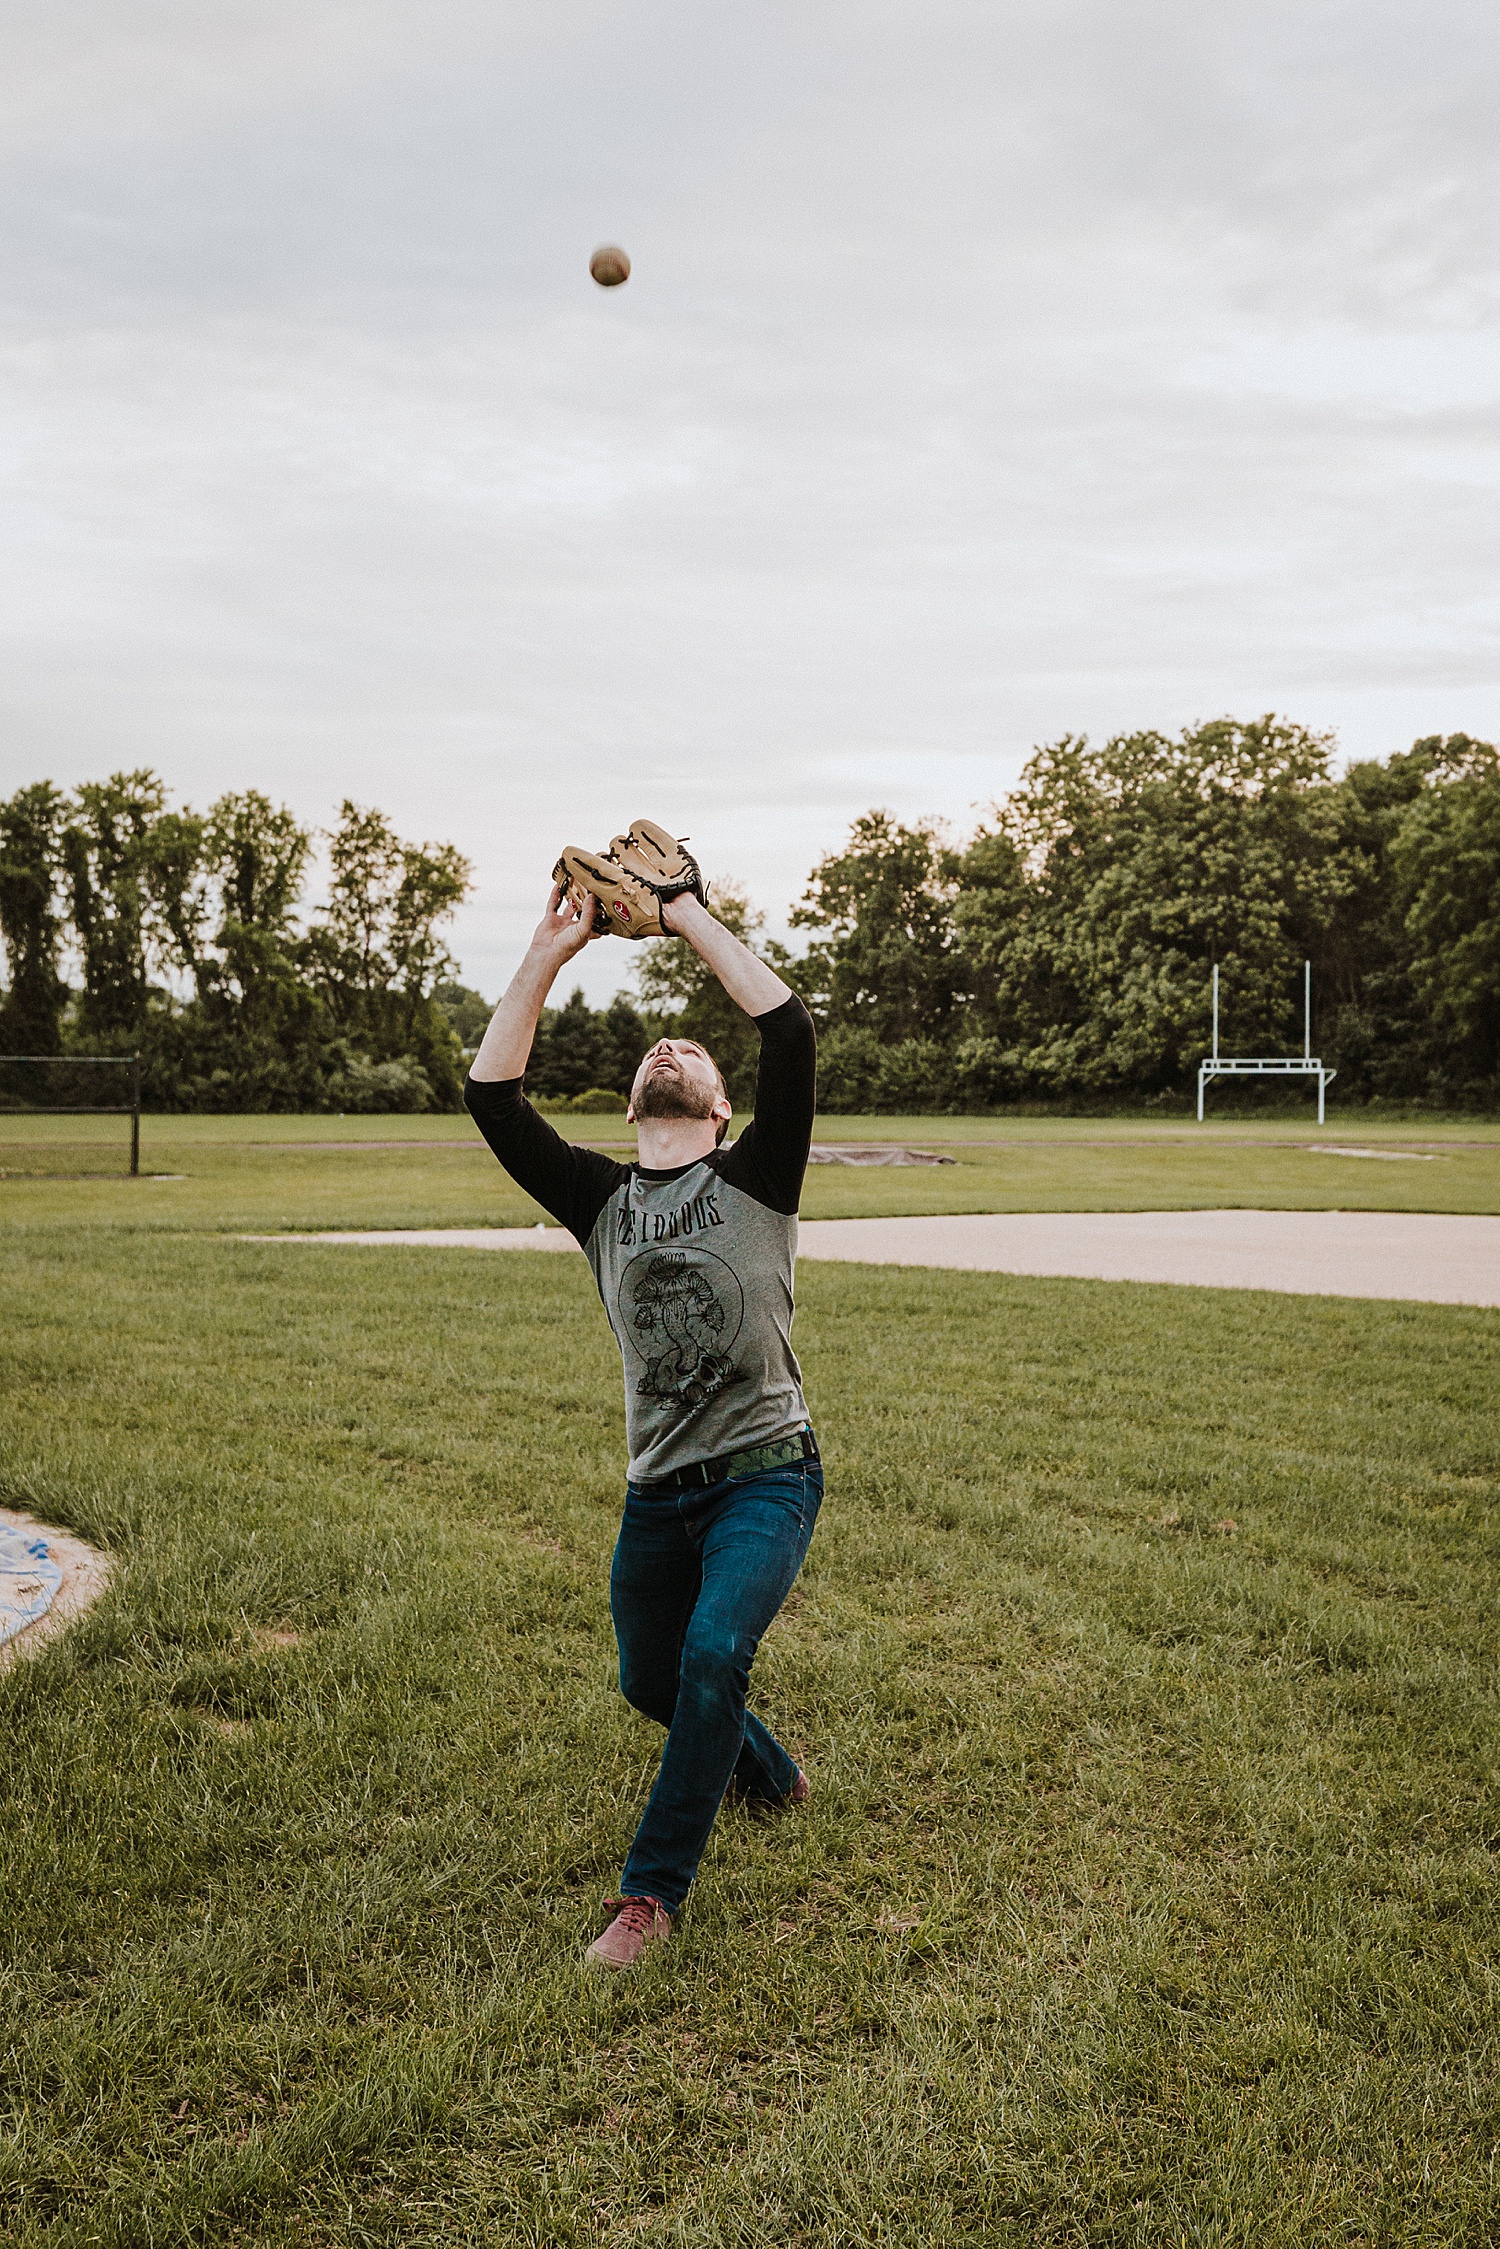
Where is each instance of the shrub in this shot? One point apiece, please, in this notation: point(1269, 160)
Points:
point(987, 1073)
point(849, 1058)
point(914, 1074)
point(400, 1088)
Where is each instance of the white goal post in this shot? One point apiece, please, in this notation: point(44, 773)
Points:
point(1303, 1065)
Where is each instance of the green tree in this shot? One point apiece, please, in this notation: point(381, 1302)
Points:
point(888, 963)
point(849, 1069)
point(1370, 1020)
point(258, 1036)
point(377, 935)
point(578, 1047)
point(435, 880)
point(346, 945)
point(1092, 910)
point(1446, 864)
point(138, 895)
point(30, 924)
point(468, 1012)
point(258, 851)
point(375, 952)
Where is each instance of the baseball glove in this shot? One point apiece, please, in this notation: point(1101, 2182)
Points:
point(659, 862)
point(622, 906)
point(642, 871)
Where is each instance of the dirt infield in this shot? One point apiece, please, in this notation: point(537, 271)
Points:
point(1418, 1257)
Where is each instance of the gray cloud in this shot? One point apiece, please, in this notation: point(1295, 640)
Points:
point(986, 372)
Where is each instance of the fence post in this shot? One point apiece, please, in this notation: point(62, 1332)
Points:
point(135, 1114)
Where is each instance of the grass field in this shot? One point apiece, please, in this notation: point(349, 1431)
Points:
point(265, 1173)
point(1145, 1666)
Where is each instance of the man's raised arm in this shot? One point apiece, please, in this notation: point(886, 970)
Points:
point(572, 1183)
point(559, 937)
point(748, 981)
point(770, 1156)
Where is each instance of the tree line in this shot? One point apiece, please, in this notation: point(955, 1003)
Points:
point(1061, 954)
point(186, 935)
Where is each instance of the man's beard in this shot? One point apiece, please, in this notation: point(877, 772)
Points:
point(671, 1093)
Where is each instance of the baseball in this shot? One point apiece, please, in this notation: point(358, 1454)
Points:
point(609, 267)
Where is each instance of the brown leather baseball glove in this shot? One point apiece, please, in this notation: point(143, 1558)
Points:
point(661, 863)
point(642, 871)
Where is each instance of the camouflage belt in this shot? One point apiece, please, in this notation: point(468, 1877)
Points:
point(753, 1462)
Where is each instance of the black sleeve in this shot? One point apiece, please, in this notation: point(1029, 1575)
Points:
point(572, 1184)
point(770, 1155)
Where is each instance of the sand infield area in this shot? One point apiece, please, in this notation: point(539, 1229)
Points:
point(1420, 1257)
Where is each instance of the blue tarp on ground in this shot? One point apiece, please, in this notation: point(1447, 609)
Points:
point(29, 1579)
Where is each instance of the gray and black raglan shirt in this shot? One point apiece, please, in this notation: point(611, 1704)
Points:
point(694, 1265)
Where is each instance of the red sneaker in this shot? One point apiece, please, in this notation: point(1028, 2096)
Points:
point(637, 1923)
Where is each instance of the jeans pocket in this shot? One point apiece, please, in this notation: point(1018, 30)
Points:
point(812, 1496)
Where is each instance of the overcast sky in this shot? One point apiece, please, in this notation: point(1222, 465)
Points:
point(987, 372)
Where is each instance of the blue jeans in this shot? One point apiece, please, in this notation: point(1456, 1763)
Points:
point(697, 1577)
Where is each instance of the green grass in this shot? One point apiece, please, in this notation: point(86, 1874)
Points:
point(1145, 1665)
point(263, 1174)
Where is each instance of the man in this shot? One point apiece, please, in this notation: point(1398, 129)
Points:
point(692, 1248)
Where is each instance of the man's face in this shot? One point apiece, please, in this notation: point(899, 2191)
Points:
point(677, 1079)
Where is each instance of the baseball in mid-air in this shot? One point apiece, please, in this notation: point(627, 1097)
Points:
point(609, 266)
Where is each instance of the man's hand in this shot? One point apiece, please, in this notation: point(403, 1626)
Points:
point(560, 936)
point(566, 926)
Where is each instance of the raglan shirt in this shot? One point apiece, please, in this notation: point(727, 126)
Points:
point(694, 1265)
